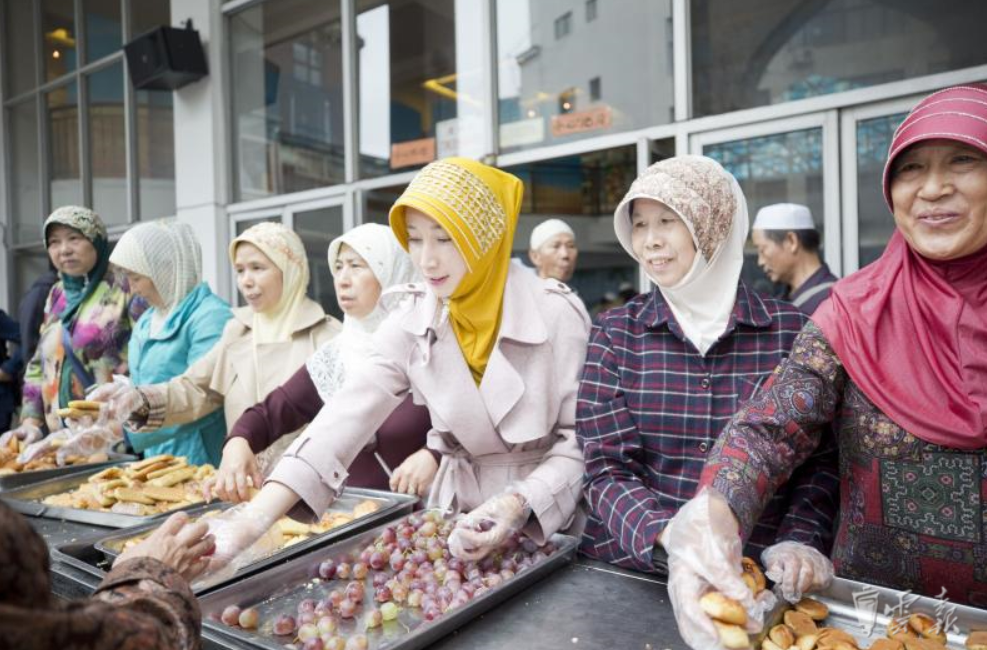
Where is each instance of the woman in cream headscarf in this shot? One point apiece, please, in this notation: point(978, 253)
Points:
point(494, 353)
point(365, 262)
point(163, 263)
point(261, 346)
point(665, 372)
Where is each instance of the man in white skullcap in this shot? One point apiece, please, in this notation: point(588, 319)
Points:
point(553, 250)
point(788, 251)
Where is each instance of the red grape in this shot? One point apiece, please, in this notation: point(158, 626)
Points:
point(249, 618)
point(284, 625)
point(347, 608)
point(327, 570)
point(231, 615)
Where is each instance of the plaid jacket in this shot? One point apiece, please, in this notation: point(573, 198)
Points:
point(650, 408)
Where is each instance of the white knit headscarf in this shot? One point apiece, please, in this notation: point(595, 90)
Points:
point(168, 253)
point(391, 266)
point(712, 205)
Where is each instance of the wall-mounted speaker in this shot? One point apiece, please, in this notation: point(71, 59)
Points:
point(166, 58)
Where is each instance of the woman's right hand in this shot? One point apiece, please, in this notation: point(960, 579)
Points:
point(181, 545)
point(29, 431)
point(238, 473)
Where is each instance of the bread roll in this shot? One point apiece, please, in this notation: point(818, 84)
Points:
point(719, 607)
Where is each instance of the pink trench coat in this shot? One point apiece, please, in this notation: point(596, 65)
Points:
point(516, 429)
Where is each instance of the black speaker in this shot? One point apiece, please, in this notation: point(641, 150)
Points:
point(166, 58)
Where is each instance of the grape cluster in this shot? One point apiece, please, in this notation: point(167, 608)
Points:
point(407, 566)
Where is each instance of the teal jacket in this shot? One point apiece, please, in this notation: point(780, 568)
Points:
point(191, 330)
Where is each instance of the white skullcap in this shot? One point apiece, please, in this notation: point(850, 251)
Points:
point(784, 216)
point(548, 229)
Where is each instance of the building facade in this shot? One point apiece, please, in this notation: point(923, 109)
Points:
point(316, 113)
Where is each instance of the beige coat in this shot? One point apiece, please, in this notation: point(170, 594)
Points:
point(516, 429)
point(226, 377)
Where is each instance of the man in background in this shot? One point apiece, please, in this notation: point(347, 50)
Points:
point(553, 250)
point(788, 252)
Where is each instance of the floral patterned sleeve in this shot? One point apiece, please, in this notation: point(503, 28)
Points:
point(777, 431)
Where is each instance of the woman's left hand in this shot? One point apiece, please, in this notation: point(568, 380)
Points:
point(797, 568)
point(415, 474)
point(484, 529)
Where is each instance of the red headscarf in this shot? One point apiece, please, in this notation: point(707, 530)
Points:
point(912, 332)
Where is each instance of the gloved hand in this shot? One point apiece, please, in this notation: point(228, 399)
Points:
point(488, 526)
point(106, 392)
point(704, 552)
point(797, 568)
point(243, 534)
point(26, 433)
point(39, 448)
point(88, 441)
point(125, 403)
point(238, 473)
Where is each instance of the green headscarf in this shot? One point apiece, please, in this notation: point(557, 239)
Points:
point(79, 287)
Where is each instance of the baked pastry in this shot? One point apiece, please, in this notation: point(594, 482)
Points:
point(732, 636)
point(719, 607)
point(782, 635)
point(977, 640)
point(753, 576)
point(814, 609)
point(800, 623)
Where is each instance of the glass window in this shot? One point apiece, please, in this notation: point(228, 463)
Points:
point(155, 134)
point(104, 28)
point(538, 75)
point(875, 222)
point(58, 37)
point(287, 97)
point(318, 228)
point(779, 168)
point(19, 47)
point(420, 82)
point(25, 176)
point(108, 145)
point(582, 190)
point(377, 203)
point(146, 15)
point(756, 53)
point(62, 122)
point(563, 25)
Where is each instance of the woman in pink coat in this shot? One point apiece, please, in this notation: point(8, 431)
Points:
point(494, 352)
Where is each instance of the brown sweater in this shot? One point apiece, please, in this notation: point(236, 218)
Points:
point(141, 604)
point(296, 402)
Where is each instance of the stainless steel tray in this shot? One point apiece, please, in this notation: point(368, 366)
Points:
point(392, 505)
point(860, 610)
point(13, 481)
point(281, 588)
point(27, 500)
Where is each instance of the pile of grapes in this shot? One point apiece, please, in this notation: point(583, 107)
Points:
point(408, 567)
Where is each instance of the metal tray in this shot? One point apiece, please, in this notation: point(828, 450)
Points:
point(281, 588)
point(13, 481)
point(392, 505)
point(27, 500)
point(860, 610)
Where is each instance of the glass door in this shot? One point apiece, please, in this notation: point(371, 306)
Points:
point(791, 160)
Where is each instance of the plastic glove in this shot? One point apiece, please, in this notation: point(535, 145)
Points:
point(488, 526)
point(43, 446)
point(415, 474)
point(106, 392)
point(238, 473)
point(124, 403)
point(88, 441)
point(243, 534)
point(797, 569)
point(26, 433)
point(704, 552)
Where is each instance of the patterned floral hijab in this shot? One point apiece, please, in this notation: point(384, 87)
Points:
point(710, 202)
point(79, 287)
point(478, 206)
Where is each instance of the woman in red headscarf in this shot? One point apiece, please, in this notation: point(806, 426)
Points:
point(896, 361)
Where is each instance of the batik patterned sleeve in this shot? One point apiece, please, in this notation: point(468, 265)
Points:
point(613, 450)
point(779, 429)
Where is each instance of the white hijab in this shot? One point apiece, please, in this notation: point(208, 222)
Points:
point(710, 202)
point(168, 253)
point(380, 249)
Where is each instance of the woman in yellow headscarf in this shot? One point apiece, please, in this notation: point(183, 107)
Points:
point(494, 352)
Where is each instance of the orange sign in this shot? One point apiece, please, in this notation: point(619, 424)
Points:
point(414, 152)
point(591, 120)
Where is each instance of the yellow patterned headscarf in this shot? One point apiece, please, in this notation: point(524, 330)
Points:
point(478, 206)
